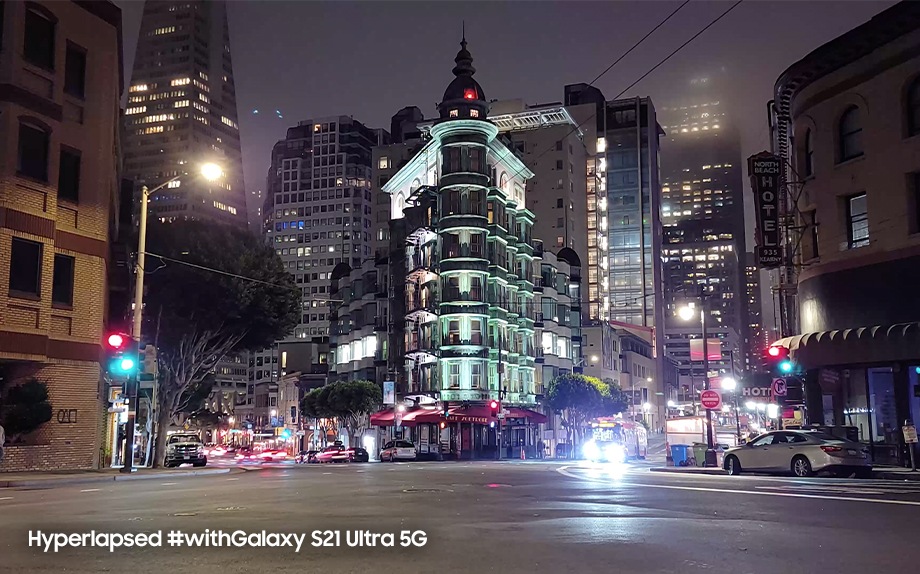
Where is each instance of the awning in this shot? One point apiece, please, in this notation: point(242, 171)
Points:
point(521, 413)
point(479, 414)
point(862, 345)
point(387, 417)
point(383, 418)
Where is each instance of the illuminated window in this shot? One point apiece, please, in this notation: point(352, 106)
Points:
point(136, 110)
point(469, 94)
point(199, 107)
point(454, 114)
point(204, 98)
point(229, 122)
point(474, 113)
point(384, 163)
point(180, 104)
point(164, 30)
point(179, 82)
point(138, 88)
point(173, 184)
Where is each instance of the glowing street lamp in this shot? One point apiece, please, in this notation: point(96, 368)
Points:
point(729, 384)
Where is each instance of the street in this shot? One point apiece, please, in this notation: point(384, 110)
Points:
point(479, 516)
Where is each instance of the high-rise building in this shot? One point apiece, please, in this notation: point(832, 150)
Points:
point(623, 218)
point(317, 214)
point(60, 68)
point(182, 112)
point(755, 336)
point(702, 212)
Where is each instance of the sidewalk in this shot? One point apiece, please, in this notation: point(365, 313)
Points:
point(52, 479)
point(879, 473)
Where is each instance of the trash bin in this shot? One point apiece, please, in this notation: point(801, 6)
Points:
point(699, 453)
point(679, 454)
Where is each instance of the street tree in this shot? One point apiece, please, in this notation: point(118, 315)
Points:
point(579, 398)
point(353, 402)
point(213, 292)
point(25, 408)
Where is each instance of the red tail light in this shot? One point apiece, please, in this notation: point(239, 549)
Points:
point(832, 450)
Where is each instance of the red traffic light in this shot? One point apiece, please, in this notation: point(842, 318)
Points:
point(777, 352)
point(493, 405)
point(116, 341)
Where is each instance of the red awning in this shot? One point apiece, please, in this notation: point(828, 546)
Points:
point(383, 418)
point(520, 413)
point(420, 415)
point(479, 414)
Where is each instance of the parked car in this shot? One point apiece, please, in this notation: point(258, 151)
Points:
point(306, 456)
point(398, 450)
point(184, 449)
point(358, 454)
point(334, 453)
point(801, 452)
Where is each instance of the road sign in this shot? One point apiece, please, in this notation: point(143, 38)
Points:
point(910, 433)
point(779, 387)
point(711, 400)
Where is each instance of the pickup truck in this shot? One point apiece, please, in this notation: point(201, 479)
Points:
point(184, 449)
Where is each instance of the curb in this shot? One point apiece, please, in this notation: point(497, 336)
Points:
point(902, 476)
point(679, 470)
point(52, 482)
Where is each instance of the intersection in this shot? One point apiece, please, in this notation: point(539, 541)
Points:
point(487, 516)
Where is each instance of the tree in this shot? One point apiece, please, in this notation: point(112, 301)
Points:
point(353, 402)
point(25, 409)
point(198, 315)
point(579, 398)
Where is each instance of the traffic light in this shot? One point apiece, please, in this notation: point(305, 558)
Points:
point(494, 408)
point(445, 409)
point(778, 361)
point(121, 355)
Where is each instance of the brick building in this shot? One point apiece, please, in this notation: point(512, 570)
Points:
point(60, 85)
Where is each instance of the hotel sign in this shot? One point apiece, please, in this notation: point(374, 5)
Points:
point(764, 171)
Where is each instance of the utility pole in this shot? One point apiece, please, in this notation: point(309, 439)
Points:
point(710, 443)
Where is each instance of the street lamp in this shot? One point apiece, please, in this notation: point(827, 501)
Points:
point(688, 313)
point(210, 172)
point(672, 404)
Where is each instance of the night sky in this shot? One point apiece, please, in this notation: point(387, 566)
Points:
point(369, 59)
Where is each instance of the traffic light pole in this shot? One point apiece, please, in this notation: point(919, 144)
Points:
point(132, 382)
point(711, 458)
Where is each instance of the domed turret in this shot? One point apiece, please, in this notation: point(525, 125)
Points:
point(464, 97)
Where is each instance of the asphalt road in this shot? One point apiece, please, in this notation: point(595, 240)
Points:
point(504, 517)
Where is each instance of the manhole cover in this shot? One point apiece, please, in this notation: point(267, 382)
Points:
point(425, 490)
point(230, 508)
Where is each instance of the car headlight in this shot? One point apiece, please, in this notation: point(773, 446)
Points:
point(616, 452)
point(591, 451)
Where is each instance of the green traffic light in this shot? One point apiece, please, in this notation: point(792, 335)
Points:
point(122, 366)
point(786, 366)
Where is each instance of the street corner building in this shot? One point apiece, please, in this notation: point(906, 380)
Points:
point(848, 128)
point(60, 85)
point(462, 306)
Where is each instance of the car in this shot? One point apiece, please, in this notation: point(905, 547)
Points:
point(358, 454)
point(800, 452)
point(334, 453)
point(273, 454)
point(246, 455)
point(306, 456)
point(184, 448)
point(398, 450)
point(604, 451)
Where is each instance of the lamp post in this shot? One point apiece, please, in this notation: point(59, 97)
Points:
point(687, 313)
point(210, 172)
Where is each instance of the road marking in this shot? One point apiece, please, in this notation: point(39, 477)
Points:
point(233, 479)
point(565, 472)
point(169, 483)
point(90, 490)
point(327, 473)
point(6, 498)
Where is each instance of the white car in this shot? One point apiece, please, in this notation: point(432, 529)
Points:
point(801, 452)
point(398, 450)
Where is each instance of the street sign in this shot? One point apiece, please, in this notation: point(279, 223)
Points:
point(779, 387)
point(910, 433)
point(711, 400)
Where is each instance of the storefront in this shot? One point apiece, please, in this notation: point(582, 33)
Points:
point(867, 379)
point(467, 432)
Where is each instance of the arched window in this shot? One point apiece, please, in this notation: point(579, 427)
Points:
point(503, 181)
point(913, 108)
point(416, 183)
point(850, 134)
point(808, 154)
